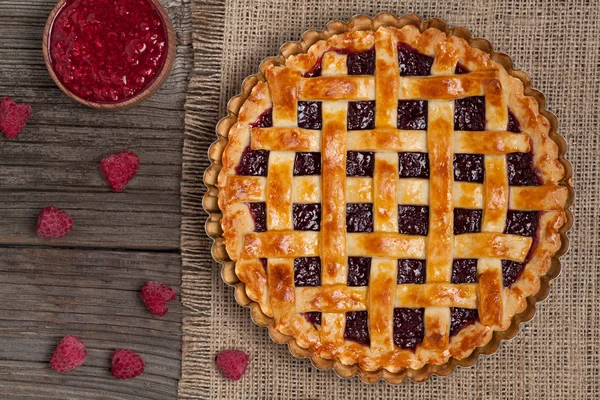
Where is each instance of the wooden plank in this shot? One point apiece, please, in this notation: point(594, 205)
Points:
point(62, 158)
point(55, 160)
point(49, 293)
point(147, 220)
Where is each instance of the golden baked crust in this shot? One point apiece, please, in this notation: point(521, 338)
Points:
point(280, 244)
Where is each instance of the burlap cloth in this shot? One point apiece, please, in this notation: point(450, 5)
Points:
point(556, 355)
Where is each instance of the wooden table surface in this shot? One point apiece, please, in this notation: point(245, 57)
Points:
point(88, 283)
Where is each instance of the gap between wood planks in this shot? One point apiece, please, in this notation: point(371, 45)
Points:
point(91, 248)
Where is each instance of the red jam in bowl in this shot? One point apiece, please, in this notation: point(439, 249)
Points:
point(107, 51)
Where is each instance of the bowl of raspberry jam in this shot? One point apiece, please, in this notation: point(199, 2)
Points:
point(109, 54)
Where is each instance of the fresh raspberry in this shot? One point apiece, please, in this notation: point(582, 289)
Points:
point(126, 364)
point(233, 363)
point(156, 295)
point(69, 354)
point(13, 117)
point(53, 223)
point(119, 169)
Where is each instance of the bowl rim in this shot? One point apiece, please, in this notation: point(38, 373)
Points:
point(214, 230)
point(156, 84)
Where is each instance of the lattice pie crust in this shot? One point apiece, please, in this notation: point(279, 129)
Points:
point(267, 261)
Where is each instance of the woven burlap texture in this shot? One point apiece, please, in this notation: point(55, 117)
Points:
point(554, 356)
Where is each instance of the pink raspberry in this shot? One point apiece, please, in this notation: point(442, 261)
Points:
point(156, 295)
point(233, 363)
point(119, 169)
point(126, 364)
point(53, 223)
point(69, 354)
point(13, 117)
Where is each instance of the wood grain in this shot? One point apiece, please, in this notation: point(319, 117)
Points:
point(49, 293)
point(55, 160)
point(87, 283)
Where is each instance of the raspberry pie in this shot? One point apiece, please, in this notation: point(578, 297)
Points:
point(390, 198)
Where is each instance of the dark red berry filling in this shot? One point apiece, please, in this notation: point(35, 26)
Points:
point(359, 269)
point(409, 327)
point(357, 327)
point(361, 115)
point(469, 114)
point(265, 120)
point(521, 171)
point(258, 211)
point(469, 168)
point(264, 263)
point(314, 71)
point(511, 271)
point(524, 223)
point(467, 221)
point(307, 271)
point(309, 115)
point(314, 317)
point(108, 51)
point(460, 318)
point(360, 163)
point(513, 124)
point(413, 220)
point(307, 164)
point(307, 217)
point(361, 63)
point(411, 271)
point(464, 270)
point(412, 114)
point(412, 63)
point(253, 163)
point(461, 69)
point(413, 165)
point(359, 217)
